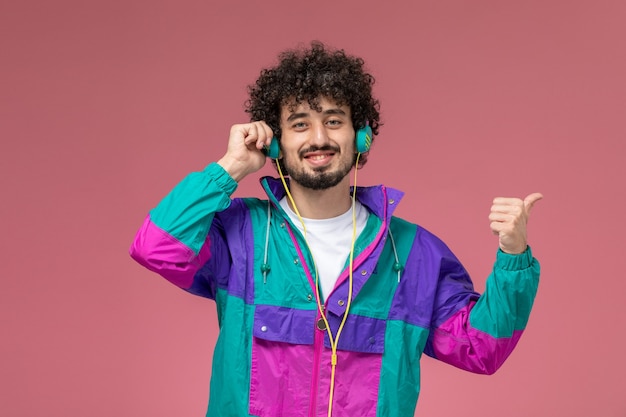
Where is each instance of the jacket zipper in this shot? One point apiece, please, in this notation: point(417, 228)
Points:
point(318, 342)
point(318, 347)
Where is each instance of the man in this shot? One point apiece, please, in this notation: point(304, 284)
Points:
point(325, 300)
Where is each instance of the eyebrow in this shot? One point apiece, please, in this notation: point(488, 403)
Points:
point(294, 116)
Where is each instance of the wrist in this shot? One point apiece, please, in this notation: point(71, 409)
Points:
point(514, 251)
point(235, 169)
point(514, 261)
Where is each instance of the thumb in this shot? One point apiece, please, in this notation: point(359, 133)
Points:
point(530, 201)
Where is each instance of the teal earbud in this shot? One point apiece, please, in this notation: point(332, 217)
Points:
point(363, 139)
point(273, 151)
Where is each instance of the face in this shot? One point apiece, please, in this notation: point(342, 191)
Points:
point(317, 147)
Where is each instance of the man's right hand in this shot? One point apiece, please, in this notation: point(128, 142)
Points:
point(244, 154)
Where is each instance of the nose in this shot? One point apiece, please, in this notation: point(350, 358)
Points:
point(319, 135)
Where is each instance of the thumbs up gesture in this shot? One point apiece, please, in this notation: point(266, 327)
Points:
point(508, 218)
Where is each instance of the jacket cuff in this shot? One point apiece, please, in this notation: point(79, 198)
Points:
point(517, 262)
point(221, 177)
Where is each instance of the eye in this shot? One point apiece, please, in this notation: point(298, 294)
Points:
point(299, 125)
point(334, 122)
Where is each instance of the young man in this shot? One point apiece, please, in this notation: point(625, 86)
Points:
point(326, 302)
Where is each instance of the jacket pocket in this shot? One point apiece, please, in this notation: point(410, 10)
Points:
point(282, 361)
point(283, 365)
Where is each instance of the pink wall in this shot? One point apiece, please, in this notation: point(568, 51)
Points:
point(106, 104)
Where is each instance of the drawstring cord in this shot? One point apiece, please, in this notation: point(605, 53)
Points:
point(265, 267)
point(397, 266)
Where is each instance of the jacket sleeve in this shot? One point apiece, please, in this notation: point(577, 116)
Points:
point(178, 236)
point(477, 333)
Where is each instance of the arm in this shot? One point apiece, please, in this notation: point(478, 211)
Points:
point(174, 239)
point(478, 333)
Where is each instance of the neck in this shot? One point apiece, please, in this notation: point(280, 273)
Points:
point(321, 204)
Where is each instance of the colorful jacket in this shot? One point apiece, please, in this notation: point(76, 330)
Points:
point(410, 296)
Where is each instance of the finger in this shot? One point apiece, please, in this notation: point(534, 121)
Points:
point(238, 133)
point(530, 201)
point(268, 133)
point(501, 217)
point(261, 134)
point(507, 201)
point(266, 141)
point(251, 134)
point(497, 227)
point(515, 209)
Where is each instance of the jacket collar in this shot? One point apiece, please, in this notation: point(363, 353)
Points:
point(378, 199)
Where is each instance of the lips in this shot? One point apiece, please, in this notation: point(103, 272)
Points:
point(318, 158)
point(318, 152)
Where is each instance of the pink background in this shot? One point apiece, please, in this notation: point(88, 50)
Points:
point(105, 105)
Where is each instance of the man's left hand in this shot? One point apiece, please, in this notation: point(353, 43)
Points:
point(509, 217)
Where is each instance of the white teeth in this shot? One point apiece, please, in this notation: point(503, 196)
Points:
point(318, 157)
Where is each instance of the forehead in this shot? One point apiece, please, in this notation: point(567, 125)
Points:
point(304, 109)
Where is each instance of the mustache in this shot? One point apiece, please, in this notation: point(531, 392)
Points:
point(318, 149)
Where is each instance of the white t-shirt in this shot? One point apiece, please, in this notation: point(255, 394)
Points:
point(330, 241)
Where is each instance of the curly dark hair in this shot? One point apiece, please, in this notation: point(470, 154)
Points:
point(308, 74)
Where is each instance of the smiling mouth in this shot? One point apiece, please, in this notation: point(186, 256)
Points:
point(317, 154)
point(319, 160)
point(318, 157)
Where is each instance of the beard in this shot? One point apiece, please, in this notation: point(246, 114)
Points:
point(322, 177)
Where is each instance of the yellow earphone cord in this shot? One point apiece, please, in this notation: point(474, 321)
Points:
point(333, 340)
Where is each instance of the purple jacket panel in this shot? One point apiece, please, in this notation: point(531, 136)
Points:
point(232, 260)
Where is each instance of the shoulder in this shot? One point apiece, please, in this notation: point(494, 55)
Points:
point(422, 238)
